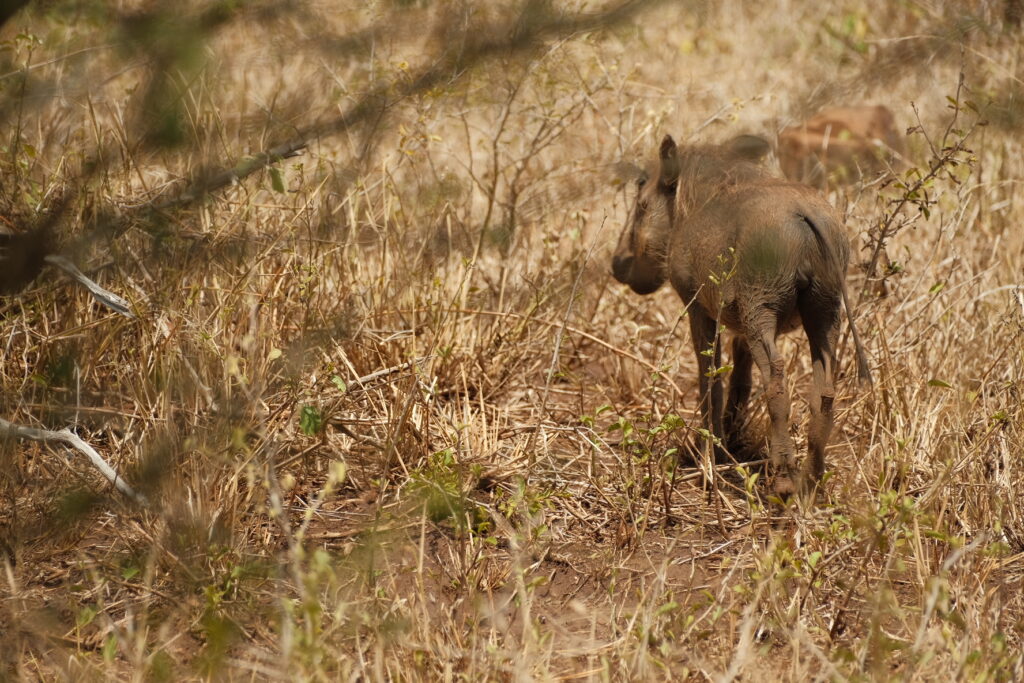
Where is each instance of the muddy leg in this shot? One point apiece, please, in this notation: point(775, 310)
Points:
point(702, 329)
point(821, 323)
point(772, 368)
point(740, 383)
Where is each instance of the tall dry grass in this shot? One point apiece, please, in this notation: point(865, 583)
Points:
point(395, 418)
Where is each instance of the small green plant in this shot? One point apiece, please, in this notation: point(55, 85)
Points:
point(444, 486)
point(311, 421)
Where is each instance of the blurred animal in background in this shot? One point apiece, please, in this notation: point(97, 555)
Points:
point(840, 145)
point(759, 255)
point(22, 257)
point(1013, 11)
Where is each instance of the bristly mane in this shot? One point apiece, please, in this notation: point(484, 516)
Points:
point(707, 171)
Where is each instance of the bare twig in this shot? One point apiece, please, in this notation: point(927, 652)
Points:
point(916, 194)
point(76, 442)
point(366, 379)
point(556, 351)
point(450, 67)
point(107, 298)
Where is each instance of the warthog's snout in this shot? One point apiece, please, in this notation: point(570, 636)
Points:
point(621, 265)
point(643, 280)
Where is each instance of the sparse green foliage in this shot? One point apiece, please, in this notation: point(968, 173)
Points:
point(445, 486)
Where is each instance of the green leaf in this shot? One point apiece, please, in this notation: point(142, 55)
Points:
point(666, 608)
point(337, 381)
point(310, 420)
point(933, 382)
point(110, 648)
point(814, 558)
point(85, 616)
point(276, 181)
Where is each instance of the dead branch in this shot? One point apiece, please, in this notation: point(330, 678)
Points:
point(76, 442)
point(107, 298)
point(448, 68)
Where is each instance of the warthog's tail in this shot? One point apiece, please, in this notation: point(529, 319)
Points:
point(837, 264)
point(863, 371)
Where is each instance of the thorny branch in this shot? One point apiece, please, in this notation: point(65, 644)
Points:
point(916, 194)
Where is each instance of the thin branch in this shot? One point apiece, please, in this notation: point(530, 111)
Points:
point(559, 334)
point(107, 298)
point(448, 68)
point(71, 439)
point(366, 379)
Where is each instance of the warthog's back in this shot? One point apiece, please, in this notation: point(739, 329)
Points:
point(760, 242)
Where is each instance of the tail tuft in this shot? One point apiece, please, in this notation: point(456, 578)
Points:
point(863, 371)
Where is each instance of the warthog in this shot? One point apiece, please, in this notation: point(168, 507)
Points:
point(761, 256)
point(841, 143)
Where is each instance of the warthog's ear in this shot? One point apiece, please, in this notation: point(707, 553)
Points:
point(749, 147)
point(669, 156)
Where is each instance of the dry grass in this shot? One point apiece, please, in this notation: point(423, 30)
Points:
point(506, 500)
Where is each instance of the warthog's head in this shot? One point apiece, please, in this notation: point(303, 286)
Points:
point(639, 259)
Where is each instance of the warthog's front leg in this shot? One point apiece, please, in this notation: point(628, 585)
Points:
point(708, 348)
point(740, 385)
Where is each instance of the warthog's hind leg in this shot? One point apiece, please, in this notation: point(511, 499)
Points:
point(821, 323)
point(740, 384)
point(773, 374)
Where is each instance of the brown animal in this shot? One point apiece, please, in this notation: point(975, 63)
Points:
point(841, 144)
point(1013, 11)
point(758, 254)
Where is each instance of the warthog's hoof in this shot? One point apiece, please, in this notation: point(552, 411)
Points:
point(809, 488)
point(784, 486)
